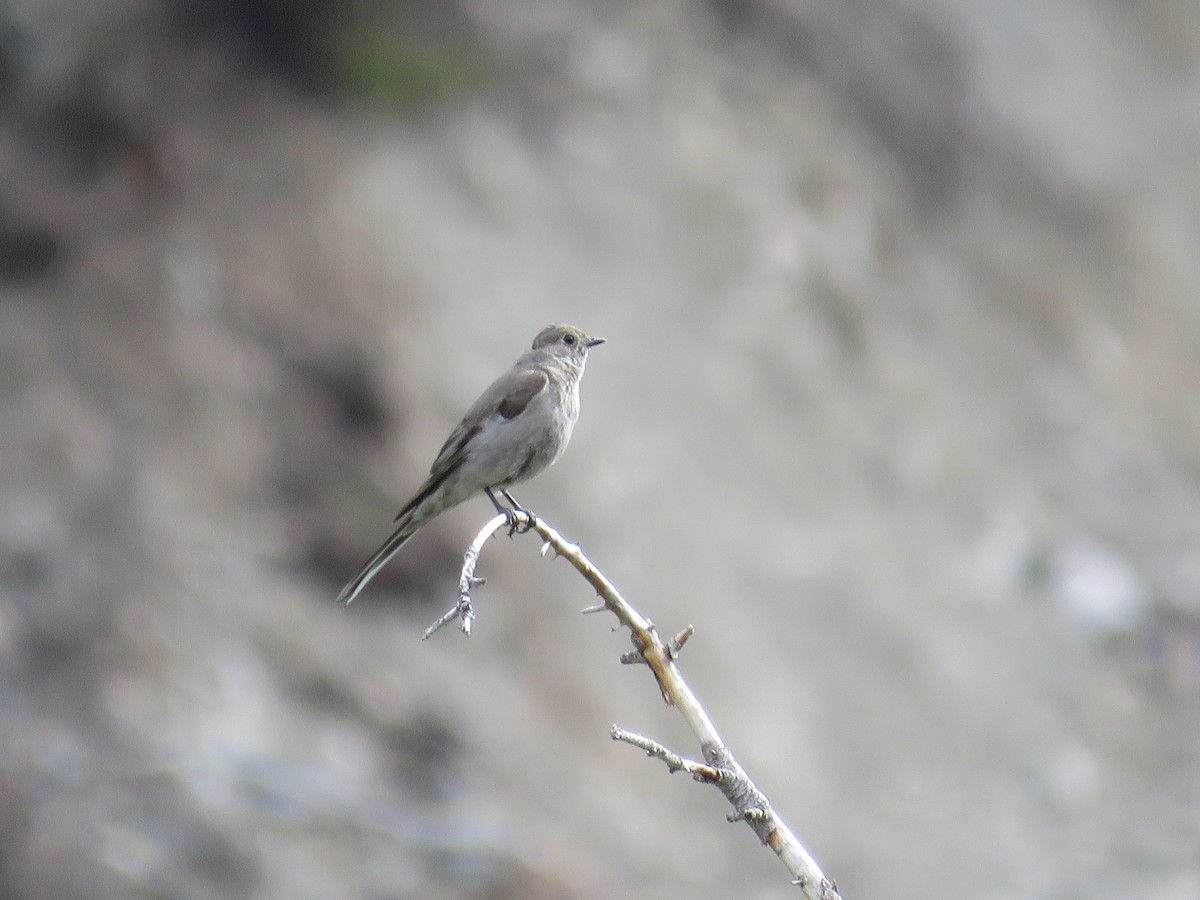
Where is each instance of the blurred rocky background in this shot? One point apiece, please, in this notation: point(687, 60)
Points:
point(899, 408)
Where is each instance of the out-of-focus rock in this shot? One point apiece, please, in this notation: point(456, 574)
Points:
point(897, 405)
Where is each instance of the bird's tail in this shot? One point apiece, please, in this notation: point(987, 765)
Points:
point(377, 561)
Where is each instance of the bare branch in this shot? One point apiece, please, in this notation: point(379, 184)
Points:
point(675, 762)
point(467, 579)
point(719, 768)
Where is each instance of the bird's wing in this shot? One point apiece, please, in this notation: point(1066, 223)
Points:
point(508, 396)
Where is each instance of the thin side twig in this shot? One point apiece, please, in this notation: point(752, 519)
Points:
point(675, 762)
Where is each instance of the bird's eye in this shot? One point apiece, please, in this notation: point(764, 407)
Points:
point(569, 340)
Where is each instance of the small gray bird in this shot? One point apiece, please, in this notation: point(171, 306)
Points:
point(517, 427)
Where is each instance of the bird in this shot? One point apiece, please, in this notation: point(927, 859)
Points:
point(517, 428)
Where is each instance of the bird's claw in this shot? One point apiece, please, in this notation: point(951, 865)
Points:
point(519, 521)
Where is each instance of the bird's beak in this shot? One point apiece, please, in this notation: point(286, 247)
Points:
point(593, 342)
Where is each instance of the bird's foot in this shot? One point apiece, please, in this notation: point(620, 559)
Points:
point(519, 520)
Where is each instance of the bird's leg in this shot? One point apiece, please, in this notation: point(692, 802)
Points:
point(495, 502)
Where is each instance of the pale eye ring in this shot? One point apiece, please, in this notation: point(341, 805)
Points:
point(569, 340)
